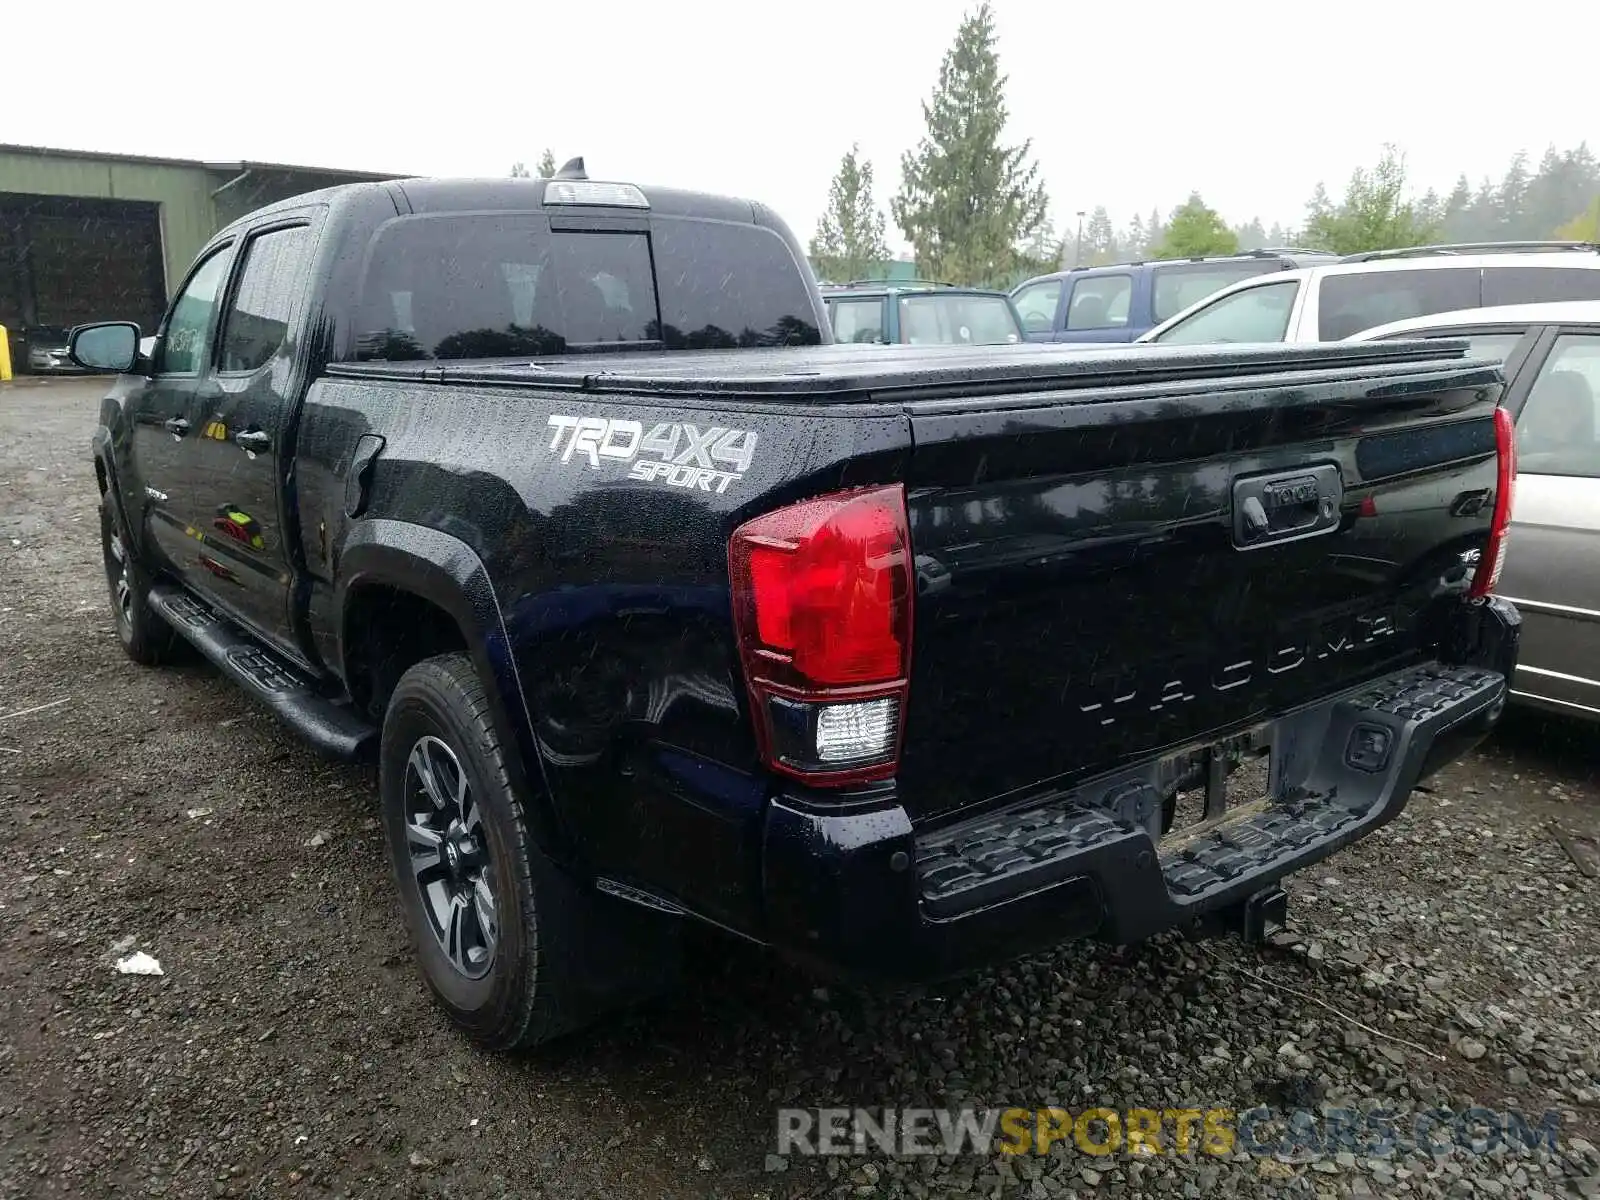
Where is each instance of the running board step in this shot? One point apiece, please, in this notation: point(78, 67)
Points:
point(331, 727)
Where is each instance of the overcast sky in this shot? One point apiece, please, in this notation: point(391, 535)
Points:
point(1130, 105)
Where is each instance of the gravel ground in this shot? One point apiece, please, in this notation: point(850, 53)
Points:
point(289, 1049)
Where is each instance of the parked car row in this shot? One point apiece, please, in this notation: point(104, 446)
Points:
point(920, 313)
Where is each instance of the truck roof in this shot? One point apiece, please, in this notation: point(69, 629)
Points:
point(434, 195)
point(847, 370)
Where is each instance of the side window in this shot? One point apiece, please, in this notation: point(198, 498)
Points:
point(185, 340)
point(1490, 345)
point(271, 280)
point(1100, 302)
point(857, 320)
point(1257, 314)
point(1036, 305)
point(1536, 285)
point(1178, 285)
point(1351, 302)
point(1556, 429)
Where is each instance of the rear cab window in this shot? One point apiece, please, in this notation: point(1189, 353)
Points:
point(942, 319)
point(455, 286)
point(1348, 302)
point(1175, 286)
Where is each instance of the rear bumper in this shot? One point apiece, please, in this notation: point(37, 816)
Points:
point(867, 894)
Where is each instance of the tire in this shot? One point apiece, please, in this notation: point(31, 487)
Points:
point(520, 982)
point(146, 638)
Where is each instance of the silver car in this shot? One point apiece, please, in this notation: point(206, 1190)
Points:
point(1552, 572)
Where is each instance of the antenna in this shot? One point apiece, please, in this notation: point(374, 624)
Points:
point(573, 169)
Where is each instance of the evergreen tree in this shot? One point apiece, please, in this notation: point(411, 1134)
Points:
point(1135, 241)
point(1155, 231)
point(1583, 228)
point(1375, 214)
point(1196, 231)
point(968, 203)
point(849, 242)
point(1099, 238)
point(1251, 235)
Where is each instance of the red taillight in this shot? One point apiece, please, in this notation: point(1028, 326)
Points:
point(1487, 576)
point(822, 607)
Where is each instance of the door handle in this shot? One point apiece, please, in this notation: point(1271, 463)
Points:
point(176, 426)
point(253, 440)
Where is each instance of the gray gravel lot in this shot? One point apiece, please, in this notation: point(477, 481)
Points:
point(1450, 960)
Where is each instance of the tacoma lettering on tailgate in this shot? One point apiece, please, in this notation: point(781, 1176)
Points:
point(675, 453)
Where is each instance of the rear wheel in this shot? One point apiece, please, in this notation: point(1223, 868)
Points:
point(146, 638)
point(495, 924)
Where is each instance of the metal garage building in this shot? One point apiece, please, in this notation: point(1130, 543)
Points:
point(94, 237)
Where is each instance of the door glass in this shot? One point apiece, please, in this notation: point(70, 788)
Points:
point(269, 284)
point(183, 345)
point(1257, 314)
point(1182, 284)
point(1556, 431)
point(960, 319)
point(1100, 302)
point(1036, 305)
point(857, 320)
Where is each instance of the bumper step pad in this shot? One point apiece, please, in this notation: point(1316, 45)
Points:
point(1003, 856)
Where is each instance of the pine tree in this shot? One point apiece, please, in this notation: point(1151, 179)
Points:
point(1196, 231)
point(1375, 214)
point(1155, 232)
point(968, 203)
point(1099, 238)
point(849, 242)
point(1251, 235)
point(1135, 241)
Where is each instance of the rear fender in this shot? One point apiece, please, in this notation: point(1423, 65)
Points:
point(448, 573)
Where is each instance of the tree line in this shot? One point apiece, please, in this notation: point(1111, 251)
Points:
point(976, 212)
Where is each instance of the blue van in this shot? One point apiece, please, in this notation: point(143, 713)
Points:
point(1118, 303)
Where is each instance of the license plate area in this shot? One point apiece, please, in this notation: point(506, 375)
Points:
point(1213, 783)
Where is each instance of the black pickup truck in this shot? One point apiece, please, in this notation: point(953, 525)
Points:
point(897, 660)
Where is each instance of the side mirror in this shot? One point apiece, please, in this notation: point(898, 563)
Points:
point(110, 346)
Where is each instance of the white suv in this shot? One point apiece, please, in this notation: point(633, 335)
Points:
point(1330, 303)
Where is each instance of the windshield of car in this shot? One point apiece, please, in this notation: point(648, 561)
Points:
point(1178, 285)
point(961, 319)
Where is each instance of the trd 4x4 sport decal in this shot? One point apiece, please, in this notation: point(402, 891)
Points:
point(677, 454)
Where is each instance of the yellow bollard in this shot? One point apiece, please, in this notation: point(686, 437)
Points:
point(5, 354)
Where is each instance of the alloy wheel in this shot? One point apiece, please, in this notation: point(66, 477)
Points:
point(450, 859)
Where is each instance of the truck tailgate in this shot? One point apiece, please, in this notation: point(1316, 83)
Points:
point(1109, 570)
